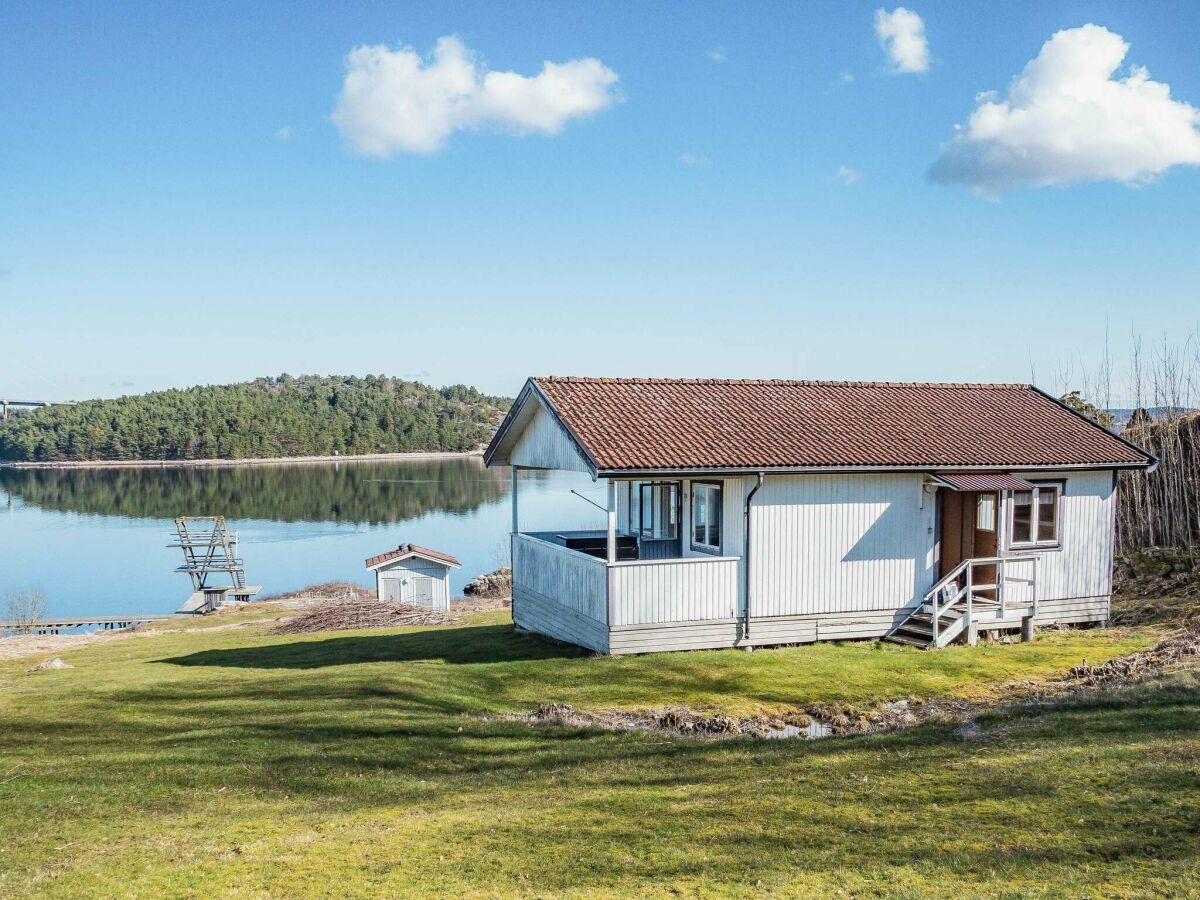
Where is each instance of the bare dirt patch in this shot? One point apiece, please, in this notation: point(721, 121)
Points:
point(37, 644)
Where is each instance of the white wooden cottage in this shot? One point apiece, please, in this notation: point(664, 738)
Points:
point(414, 575)
point(750, 513)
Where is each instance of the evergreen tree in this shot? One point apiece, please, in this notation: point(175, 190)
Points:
point(286, 416)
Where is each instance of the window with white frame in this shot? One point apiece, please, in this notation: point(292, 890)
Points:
point(1034, 518)
point(658, 510)
point(706, 516)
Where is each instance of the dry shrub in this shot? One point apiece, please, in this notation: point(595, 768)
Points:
point(24, 607)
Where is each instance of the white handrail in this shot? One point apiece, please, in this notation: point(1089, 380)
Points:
point(933, 595)
point(952, 575)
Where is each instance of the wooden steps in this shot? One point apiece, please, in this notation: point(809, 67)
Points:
point(917, 629)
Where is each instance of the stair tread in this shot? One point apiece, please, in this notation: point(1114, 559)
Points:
point(898, 638)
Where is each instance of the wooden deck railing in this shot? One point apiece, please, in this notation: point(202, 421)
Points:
point(573, 579)
point(657, 591)
point(633, 592)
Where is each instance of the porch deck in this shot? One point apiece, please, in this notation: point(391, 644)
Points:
point(651, 605)
point(634, 605)
point(601, 599)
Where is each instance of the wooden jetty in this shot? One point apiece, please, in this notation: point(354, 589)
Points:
point(55, 624)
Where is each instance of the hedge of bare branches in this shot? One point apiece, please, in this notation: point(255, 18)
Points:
point(1161, 384)
point(1162, 508)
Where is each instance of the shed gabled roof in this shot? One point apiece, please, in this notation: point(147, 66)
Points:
point(406, 550)
point(651, 424)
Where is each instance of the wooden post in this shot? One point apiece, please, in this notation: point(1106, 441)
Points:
point(612, 521)
point(1000, 586)
point(934, 618)
point(971, 633)
point(512, 549)
point(515, 526)
point(1027, 629)
point(1037, 567)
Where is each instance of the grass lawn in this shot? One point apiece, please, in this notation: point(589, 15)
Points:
point(202, 762)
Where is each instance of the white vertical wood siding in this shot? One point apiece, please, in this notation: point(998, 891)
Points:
point(690, 590)
point(1083, 565)
point(545, 445)
point(389, 578)
point(733, 540)
point(840, 543)
point(572, 580)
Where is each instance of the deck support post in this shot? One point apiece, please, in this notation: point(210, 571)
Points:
point(512, 549)
point(1027, 629)
point(612, 521)
point(515, 527)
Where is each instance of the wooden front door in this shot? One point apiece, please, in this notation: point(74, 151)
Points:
point(969, 529)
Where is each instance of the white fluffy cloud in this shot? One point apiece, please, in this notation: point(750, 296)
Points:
point(396, 101)
point(1067, 119)
point(847, 175)
point(901, 33)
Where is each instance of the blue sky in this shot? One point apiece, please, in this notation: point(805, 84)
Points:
point(177, 205)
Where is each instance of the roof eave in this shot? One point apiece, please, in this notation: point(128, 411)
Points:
point(626, 472)
point(404, 556)
point(506, 423)
point(1151, 460)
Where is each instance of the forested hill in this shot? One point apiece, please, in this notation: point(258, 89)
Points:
point(284, 416)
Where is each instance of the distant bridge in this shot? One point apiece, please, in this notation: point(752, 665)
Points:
point(28, 404)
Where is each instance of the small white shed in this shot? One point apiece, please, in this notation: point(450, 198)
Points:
point(414, 575)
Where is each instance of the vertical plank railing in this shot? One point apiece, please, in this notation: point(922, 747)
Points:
point(571, 579)
point(696, 589)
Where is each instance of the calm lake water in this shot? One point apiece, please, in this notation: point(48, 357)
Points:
point(94, 539)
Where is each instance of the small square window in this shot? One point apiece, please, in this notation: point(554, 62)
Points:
point(1035, 517)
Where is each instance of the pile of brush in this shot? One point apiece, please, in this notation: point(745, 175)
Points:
point(341, 615)
point(1166, 654)
point(330, 590)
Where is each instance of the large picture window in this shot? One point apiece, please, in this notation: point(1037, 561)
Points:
point(658, 511)
point(706, 517)
point(1034, 521)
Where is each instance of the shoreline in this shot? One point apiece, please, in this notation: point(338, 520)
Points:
point(229, 463)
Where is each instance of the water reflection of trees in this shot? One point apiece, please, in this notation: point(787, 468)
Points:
point(362, 492)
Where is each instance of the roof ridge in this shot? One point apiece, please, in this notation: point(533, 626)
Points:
point(581, 379)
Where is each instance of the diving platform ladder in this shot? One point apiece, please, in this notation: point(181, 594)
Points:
point(210, 551)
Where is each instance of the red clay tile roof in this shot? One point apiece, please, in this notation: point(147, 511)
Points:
point(640, 424)
point(412, 550)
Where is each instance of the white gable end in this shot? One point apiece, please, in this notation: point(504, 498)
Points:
point(545, 444)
